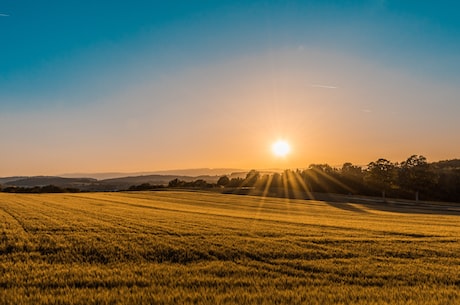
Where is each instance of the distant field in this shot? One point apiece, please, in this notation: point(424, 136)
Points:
point(204, 248)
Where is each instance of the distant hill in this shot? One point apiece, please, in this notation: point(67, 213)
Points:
point(126, 182)
point(46, 180)
point(197, 172)
point(102, 176)
point(10, 179)
point(91, 184)
point(120, 181)
point(177, 172)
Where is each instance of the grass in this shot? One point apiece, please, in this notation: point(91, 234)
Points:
point(205, 248)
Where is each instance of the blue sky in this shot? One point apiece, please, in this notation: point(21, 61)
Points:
point(102, 60)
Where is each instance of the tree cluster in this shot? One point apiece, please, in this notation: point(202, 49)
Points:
point(39, 189)
point(197, 184)
point(145, 187)
point(413, 178)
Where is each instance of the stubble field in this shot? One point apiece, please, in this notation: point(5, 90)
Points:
point(205, 248)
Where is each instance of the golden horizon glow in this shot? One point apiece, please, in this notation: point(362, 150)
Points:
point(281, 148)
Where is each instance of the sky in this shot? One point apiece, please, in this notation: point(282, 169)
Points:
point(132, 86)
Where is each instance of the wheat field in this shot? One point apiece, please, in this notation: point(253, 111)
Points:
point(174, 247)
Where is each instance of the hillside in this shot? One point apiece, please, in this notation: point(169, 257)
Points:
point(126, 182)
point(91, 184)
point(196, 172)
point(10, 179)
point(45, 180)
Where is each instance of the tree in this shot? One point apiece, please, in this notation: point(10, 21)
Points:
point(223, 181)
point(448, 184)
point(324, 178)
point(235, 182)
point(251, 178)
point(176, 183)
point(381, 174)
point(51, 189)
point(352, 171)
point(325, 168)
point(200, 183)
point(416, 175)
point(353, 177)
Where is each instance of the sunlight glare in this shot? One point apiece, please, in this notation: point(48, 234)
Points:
point(281, 148)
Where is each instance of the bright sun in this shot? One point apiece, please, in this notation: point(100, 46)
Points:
point(281, 148)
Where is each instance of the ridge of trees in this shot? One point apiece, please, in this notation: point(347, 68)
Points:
point(145, 187)
point(39, 189)
point(413, 178)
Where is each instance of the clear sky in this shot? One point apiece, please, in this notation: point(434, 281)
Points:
point(97, 86)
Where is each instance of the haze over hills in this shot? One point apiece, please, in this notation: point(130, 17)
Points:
point(120, 181)
point(9, 179)
point(113, 181)
point(176, 172)
point(91, 184)
point(123, 181)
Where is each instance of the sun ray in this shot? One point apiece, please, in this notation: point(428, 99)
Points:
point(304, 186)
point(332, 179)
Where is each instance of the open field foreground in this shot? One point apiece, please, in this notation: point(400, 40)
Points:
point(204, 248)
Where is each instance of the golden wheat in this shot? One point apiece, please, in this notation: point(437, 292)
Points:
point(205, 248)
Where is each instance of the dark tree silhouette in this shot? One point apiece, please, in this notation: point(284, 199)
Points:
point(416, 175)
point(251, 178)
point(223, 181)
point(353, 176)
point(235, 182)
point(352, 171)
point(381, 175)
point(176, 183)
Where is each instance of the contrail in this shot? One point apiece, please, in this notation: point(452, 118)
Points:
point(323, 86)
point(4, 15)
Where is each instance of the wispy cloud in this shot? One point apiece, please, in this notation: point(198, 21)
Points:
point(4, 15)
point(323, 86)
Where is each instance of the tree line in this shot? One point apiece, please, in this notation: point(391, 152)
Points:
point(413, 178)
point(39, 189)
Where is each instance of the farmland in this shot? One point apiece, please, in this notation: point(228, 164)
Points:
point(204, 248)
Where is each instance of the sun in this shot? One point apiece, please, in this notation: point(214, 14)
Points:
point(281, 148)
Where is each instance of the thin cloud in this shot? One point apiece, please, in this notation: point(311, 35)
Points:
point(323, 86)
point(4, 15)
